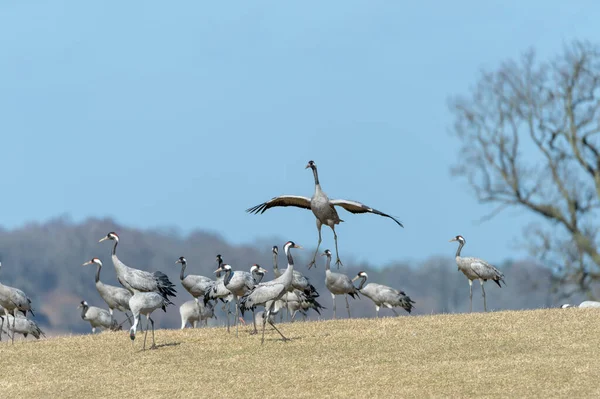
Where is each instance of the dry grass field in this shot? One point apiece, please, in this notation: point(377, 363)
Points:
point(542, 353)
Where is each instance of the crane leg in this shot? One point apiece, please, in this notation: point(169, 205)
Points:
point(153, 342)
point(237, 314)
point(276, 329)
point(312, 263)
point(12, 339)
point(146, 333)
point(377, 311)
point(1, 327)
point(333, 297)
point(128, 319)
point(338, 262)
point(482, 291)
point(470, 296)
point(254, 322)
point(266, 315)
point(394, 310)
point(348, 306)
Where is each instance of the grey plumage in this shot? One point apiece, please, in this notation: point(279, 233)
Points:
point(24, 326)
point(297, 301)
point(115, 297)
point(338, 284)
point(144, 303)
point(382, 295)
point(322, 207)
point(194, 284)
point(239, 283)
point(299, 281)
point(218, 291)
point(97, 317)
point(136, 280)
point(584, 304)
point(193, 311)
point(476, 269)
point(270, 291)
point(13, 300)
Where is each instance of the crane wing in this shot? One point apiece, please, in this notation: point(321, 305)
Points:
point(283, 200)
point(357, 207)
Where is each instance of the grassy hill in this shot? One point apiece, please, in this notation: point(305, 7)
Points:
point(539, 353)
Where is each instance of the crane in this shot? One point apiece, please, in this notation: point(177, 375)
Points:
point(115, 297)
point(269, 292)
point(322, 207)
point(136, 280)
point(382, 295)
point(476, 269)
point(338, 284)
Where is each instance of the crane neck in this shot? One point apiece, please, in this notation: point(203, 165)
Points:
point(362, 283)
point(316, 175)
point(328, 263)
point(257, 277)
point(460, 245)
point(98, 273)
point(275, 266)
point(227, 279)
point(219, 262)
point(84, 310)
point(182, 274)
point(288, 253)
point(114, 251)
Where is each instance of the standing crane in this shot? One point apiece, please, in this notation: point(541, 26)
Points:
point(115, 297)
point(299, 282)
point(268, 293)
point(476, 269)
point(144, 303)
point(194, 311)
point(239, 283)
point(195, 285)
point(218, 291)
point(97, 317)
point(382, 295)
point(14, 300)
point(136, 280)
point(24, 326)
point(322, 207)
point(338, 284)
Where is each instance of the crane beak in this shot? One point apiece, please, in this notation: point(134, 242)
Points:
point(218, 270)
point(177, 261)
point(103, 238)
point(355, 278)
point(87, 263)
point(298, 246)
point(264, 271)
point(454, 239)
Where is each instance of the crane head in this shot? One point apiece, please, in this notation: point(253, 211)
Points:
point(223, 268)
point(110, 236)
point(82, 304)
point(93, 260)
point(459, 238)
point(257, 269)
point(360, 274)
point(311, 164)
point(275, 249)
point(326, 253)
point(291, 244)
point(181, 260)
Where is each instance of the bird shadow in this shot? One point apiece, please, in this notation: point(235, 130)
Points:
point(159, 346)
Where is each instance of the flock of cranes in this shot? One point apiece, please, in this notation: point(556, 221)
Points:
point(142, 292)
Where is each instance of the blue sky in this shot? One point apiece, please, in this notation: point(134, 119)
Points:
point(186, 113)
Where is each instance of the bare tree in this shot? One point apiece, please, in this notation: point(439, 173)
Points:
point(530, 140)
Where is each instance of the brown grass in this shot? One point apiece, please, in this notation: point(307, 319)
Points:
point(541, 353)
